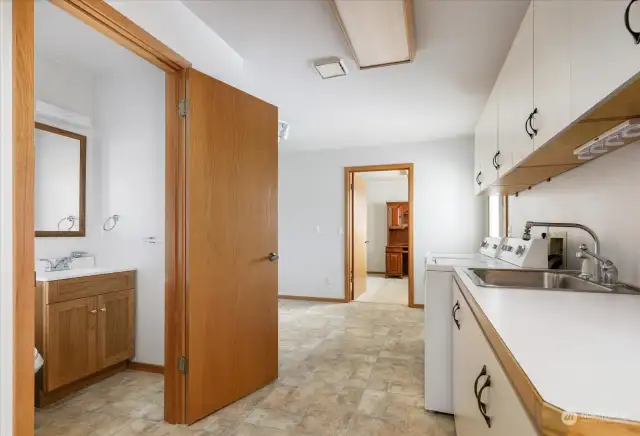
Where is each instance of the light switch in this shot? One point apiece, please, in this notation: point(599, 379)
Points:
point(318, 229)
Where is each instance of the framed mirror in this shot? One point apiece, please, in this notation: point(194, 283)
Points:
point(61, 160)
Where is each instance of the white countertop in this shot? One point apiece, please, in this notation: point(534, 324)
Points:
point(580, 350)
point(80, 272)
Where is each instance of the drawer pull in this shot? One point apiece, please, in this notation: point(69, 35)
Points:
point(482, 407)
point(104, 309)
point(93, 311)
point(636, 35)
point(456, 308)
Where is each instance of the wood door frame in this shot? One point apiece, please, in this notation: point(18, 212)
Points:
point(111, 23)
point(348, 221)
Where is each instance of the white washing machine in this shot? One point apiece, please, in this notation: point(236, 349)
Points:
point(438, 304)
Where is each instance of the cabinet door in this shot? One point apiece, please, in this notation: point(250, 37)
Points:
point(603, 53)
point(70, 338)
point(394, 216)
point(469, 422)
point(515, 102)
point(487, 142)
point(394, 264)
point(552, 68)
point(115, 328)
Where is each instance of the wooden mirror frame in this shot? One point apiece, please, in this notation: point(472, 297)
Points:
point(83, 185)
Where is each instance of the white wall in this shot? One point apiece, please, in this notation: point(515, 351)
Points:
point(131, 143)
point(604, 195)
point(448, 217)
point(379, 192)
point(6, 247)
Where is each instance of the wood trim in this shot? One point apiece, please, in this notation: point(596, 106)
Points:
point(44, 399)
point(99, 15)
point(83, 184)
point(411, 39)
point(145, 367)
point(546, 417)
point(348, 172)
point(175, 250)
point(23, 114)
point(316, 299)
point(417, 306)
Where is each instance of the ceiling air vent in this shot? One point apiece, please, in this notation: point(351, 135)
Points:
point(330, 67)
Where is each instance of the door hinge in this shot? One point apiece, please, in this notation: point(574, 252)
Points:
point(183, 365)
point(183, 107)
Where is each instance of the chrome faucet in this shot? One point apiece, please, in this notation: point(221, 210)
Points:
point(596, 246)
point(61, 264)
point(609, 269)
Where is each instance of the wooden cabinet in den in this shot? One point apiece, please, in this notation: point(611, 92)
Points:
point(84, 329)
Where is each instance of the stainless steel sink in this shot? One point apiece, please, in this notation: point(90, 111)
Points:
point(539, 279)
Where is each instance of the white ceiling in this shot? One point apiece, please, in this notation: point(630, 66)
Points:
point(63, 38)
point(461, 46)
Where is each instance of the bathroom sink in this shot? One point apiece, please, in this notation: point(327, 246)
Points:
point(538, 279)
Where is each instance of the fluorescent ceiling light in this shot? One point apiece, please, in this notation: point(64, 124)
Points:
point(329, 68)
point(379, 32)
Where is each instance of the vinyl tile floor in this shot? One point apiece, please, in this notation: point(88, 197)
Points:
point(384, 290)
point(345, 369)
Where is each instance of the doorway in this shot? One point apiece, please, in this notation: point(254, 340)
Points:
point(379, 264)
point(200, 118)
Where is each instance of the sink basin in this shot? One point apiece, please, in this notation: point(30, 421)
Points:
point(538, 279)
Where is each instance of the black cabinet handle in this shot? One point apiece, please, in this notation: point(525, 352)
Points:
point(456, 308)
point(533, 129)
point(528, 124)
point(627, 22)
point(478, 178)
point(483, 406)
point(496, 165)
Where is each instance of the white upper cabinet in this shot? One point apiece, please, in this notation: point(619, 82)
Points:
point(486, 144)
point(604, 54)
point(551, 68)
point(515, 101)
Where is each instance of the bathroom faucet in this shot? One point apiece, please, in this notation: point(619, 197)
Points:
point(596, 246)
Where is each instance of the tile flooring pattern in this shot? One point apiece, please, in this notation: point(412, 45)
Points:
point(384, 290)
point(345, 369)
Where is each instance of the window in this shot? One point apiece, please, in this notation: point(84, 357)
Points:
point(496, 216)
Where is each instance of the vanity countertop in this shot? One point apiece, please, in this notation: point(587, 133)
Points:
point(80, 272)
point(579, 350)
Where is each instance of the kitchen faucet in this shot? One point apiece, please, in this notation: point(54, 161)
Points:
point(609, 269)
point(596, 246)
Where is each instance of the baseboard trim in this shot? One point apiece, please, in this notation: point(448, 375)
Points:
point(145, 367)
point(376, 273)
point(417, 306)
point(316, 299)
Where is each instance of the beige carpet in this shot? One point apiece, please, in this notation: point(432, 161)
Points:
point(389, 291)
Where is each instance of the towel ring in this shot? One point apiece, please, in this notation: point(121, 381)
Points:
point(106, 227)
point(69, 218)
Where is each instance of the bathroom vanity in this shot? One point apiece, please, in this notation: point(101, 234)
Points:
point(84, 328)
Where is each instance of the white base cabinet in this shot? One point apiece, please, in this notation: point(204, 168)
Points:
point(480, 386)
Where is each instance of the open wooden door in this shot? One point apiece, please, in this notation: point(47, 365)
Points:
point(359, 236)
point(232, 275)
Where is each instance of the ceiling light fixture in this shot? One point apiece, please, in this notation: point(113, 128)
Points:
point(379, 32)
point(329, 68)
point(616, 137)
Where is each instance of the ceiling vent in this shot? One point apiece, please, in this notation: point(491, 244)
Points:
point(379, 32)
point(329, 68)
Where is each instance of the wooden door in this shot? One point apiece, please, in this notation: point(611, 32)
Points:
point(232, 227)
point(70, 341)
point(359, 236)
point(115, 327)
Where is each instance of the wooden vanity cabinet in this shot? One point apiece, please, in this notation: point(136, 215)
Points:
point(84, 329)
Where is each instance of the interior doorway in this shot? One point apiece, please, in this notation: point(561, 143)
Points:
point(379, 264)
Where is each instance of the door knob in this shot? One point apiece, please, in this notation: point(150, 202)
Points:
point(93, 311)
point(273, 257)
point(104, 309)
